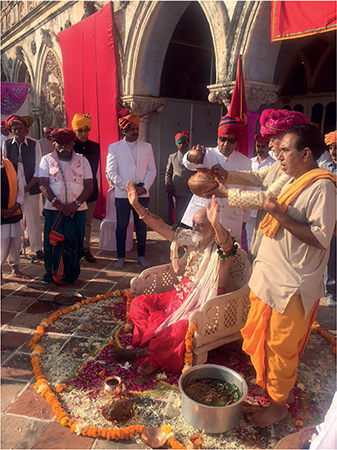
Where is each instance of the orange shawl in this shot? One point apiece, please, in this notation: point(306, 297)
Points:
point(12, 182)
point(269, 225)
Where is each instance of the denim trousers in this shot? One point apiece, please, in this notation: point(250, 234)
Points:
point(123, 209)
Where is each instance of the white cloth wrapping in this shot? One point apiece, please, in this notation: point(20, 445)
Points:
point(204, 286)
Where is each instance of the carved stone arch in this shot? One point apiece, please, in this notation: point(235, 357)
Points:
point(50, 88)
point(21, 60)
point(153, 26)
point(218, 30)
point(261, 55)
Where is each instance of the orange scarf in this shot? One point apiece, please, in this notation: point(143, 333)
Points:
point(12, 183)
point(269, 225)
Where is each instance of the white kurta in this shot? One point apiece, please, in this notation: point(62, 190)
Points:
point(230, 218)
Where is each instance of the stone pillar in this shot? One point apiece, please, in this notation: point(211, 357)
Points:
point(143, 106)
point(257, 94)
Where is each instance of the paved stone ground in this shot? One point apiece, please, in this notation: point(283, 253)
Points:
point(27, 421)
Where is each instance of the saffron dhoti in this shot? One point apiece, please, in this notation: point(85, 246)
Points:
point(275, 342)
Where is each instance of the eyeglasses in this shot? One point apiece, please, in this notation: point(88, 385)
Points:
point(227, 139)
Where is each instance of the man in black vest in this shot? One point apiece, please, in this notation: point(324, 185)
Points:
point(81, 124)
point(25, 154)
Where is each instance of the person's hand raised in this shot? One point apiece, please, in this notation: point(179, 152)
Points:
point(132, 193)
point(212, 211)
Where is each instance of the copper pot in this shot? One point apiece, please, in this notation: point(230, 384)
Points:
point(112, 386)
point(202, 182)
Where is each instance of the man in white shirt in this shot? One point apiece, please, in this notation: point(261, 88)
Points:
point(230, 131)
point(24, 153)
point(261, 160)
point(130, 160)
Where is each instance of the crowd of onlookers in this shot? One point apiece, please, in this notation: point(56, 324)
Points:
point(279, 205)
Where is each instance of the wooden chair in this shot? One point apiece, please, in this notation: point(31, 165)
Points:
point(220, 318)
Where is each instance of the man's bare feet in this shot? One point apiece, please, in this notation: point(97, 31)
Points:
point(18, 274)
point(269, 416)
point(146, 369)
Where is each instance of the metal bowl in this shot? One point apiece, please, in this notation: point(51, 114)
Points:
point(212, 419)
point(153, 437)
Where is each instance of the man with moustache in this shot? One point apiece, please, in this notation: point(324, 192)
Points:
point(130, 160)
point(230, 131)
point(24, 153)
point(297, 231)
point(271, 179)
point(66, 183)
point(81, 124)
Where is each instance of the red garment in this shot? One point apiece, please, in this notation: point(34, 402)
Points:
point(167, 348)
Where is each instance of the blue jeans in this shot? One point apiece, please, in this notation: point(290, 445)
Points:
point(123, 209)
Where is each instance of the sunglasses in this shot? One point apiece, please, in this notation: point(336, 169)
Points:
point(226, 139)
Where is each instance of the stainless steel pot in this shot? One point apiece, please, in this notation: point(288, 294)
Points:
point(212, 419)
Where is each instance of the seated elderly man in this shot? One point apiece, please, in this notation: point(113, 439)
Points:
point(161, 320)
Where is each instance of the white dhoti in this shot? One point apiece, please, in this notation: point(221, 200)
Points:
point(11, 241)
point(31, 215)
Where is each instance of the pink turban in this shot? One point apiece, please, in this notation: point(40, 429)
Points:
point(330, 138)
point(124, 122)
point(278, 121)
point(62, 136)
point(182, 137)
point(229, 126)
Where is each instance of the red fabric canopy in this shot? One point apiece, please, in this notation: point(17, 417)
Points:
point(294, 19)
point(90, 83)
point(238, 106)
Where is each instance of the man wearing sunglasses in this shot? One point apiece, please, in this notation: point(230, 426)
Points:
point(230, 131)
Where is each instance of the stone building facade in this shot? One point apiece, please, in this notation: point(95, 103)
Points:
point(177, 64)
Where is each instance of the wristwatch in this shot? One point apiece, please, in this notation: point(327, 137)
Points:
point(77, 203)
point(55, 199)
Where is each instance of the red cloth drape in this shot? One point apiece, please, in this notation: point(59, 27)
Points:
point(238, 106)
point(90, 83)
point(294, 19)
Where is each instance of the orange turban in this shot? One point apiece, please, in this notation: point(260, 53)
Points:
point(124, 122)
point(81, 121)
point(330, 138)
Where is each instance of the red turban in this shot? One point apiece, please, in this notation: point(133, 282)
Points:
point(261, 140)
point(278, 121)
point(182, 137)
point(124, 122)
point(62, 136)
point(3, 124)
point(15, 120)
point(229, 126)
point(330, 138)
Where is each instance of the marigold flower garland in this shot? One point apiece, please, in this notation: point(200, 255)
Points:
point(128, 323)
point(316, 326)
point(42, 386)
point(189, 345)
point(170, 438)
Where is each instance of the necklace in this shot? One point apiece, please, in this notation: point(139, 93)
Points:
point(64, 182)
